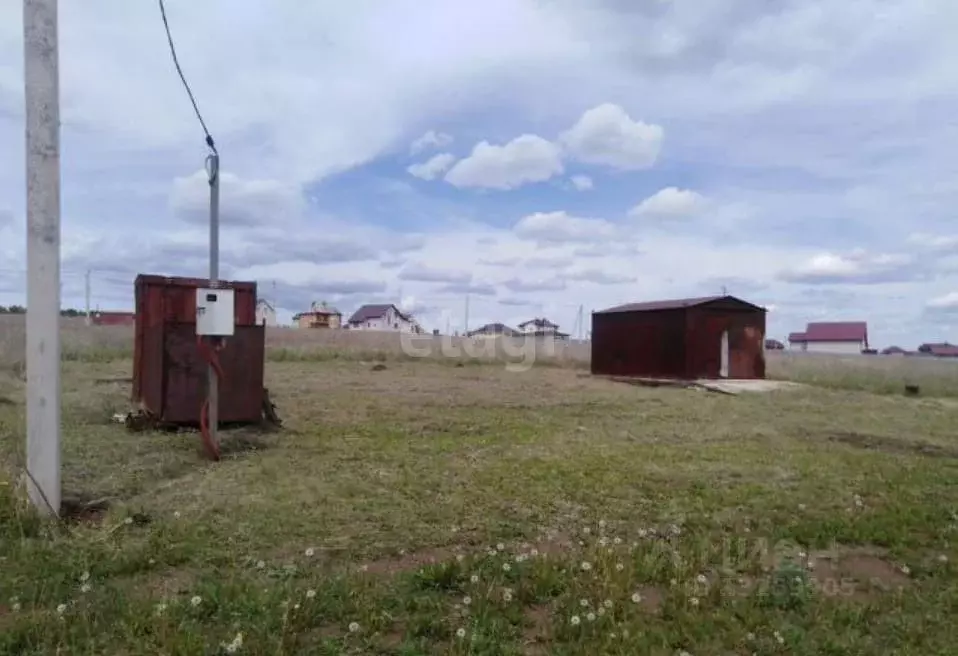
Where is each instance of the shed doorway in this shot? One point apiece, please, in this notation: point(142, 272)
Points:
point(723, 366)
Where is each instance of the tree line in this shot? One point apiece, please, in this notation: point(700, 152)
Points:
point(19, 309)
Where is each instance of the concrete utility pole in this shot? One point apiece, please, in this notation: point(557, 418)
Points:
point(42, 96)
point(214, 398)
point(465, 318)
point(86, 290)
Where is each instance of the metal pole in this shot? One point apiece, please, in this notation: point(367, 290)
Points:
point(86, 290)
point(42, 96)
point(466, 317)
point(214, 172)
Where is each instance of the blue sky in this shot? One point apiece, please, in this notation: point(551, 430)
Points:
point(540, 155)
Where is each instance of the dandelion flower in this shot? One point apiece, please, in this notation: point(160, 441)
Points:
point(310, 594)
point(84, 577)
point(460, 633)
point(603, 541)
point(506, 567)
point(701, 578)
point(500, 547)
point(160, 608)
point(534, 553)
point(636, 597)
point(364, 568)
point(61, 609)
point(460, 558)
point(176, 514)
point(601, 611)
point(586, 566)
point(694, 601)
point(643, 533)
point(616, 540)
point(587, 530)
point(260, 564)
point(474, 578)
point(353, 627)
point(491, 552)
point(15, 607)
point(507, 595)
point(86, 587)
point(801, 506)
point(196, 601)
point(601, 523)
point(128, 521)
point(607, 603)
point(942, 558)
point(905, 570)
point(574, 620)
point(584, 603)
point(235, 645)
point(466, 600)
point(780, 639)
point(590, 617)
point(619, 567)
point(310, 552)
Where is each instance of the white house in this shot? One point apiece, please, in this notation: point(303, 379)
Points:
point(541, 327)
point(265, 313)
point(383, 317)
point(839, 337)
point(492, 330)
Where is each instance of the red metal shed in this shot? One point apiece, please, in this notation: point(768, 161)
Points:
point(709, 337)
point(169, 373)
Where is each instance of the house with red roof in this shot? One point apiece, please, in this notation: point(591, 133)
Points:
point(840, 337)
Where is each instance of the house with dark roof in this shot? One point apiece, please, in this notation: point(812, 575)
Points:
point(494, 330)
point(774, 345)
point(541, 327)
point(383, 316)
point(840, 337)
point(265, 313)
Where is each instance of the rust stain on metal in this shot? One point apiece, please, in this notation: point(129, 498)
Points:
point(680, 339)
point(169, 374)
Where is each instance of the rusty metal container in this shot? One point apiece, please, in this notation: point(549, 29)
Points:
point(169, 372)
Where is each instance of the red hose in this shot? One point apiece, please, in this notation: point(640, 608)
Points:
point(211, 355)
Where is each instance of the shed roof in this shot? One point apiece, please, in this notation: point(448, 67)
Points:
point(676, 304)
point(493, 329)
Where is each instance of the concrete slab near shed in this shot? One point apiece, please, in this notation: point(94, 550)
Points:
point(724, 386)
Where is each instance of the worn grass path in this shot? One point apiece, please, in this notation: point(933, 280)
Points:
point(429, 509)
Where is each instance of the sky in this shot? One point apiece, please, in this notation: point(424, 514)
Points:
point(537, 157)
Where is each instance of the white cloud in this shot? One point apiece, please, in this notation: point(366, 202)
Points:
point(524, 160)
point(243, 202)
point(857, 266)
point(670, 203)
point(424, 273)
point(560, 227)
point(549, 261)
point(534, 285)
point(431, 139)
point(607, 135)
point(433, 167)
point(582, 182)
point(599, 277)
point(947, 301)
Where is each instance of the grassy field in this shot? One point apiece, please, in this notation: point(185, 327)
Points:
point(432, 509)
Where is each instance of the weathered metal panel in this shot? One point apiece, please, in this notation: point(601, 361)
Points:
point(645, 344)
point(240, 389)
point(746, 331)
point(164, 380)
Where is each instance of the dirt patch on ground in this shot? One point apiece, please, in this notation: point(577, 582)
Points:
point(408, 562)
point(892, 445)
point(651, 599)
point(856, 573)
point(538, 628)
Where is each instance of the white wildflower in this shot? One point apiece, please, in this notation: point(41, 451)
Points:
point(636, 597)
point(643, 533)
point(260, 564)
point(616, 540)
point(128, 521)
point(779, 638)
point(474, 578)
point(460, 558)
point(507, 595)
point(310, 594)
point(61, 609)
point(801, 506)
point(160, 608)
point(235, 645)
point(586, 566)
point(500, 547)
point(942, 558)
point(619, 567)
point(905, 570)
point(86, 587)
point(84, 577)
point(534, 553)
point(607, 603)
point(702, 579)
point(601, 611)
point(15, 607)
point(603, 541)
point(506, 567)
point(460, 633)
point(574, 620)
point(750, 636)
point(310, 552)
point(491, 553)
point(590, 617)
point(601, 523)
point(196, 601)
point(466, 600)
point(694, 601)
point(584, 603)
point(176, 514)
point(353, 627)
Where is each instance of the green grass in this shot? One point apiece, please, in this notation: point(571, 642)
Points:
point(547, 498)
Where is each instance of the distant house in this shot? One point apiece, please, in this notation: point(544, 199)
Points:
point(319, 315)
point(848, 337)
point(493, 330)
point(541, 327)
point(774, 345)
point(109, 318)
point(265, 313)
point(940, 350)
point(383, 317)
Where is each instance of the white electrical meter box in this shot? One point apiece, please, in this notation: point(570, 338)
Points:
point(214, 312)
